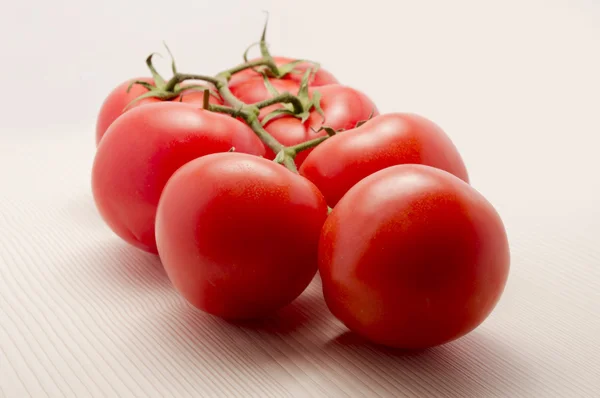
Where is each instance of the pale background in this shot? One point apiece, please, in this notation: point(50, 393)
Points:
point(516, 84)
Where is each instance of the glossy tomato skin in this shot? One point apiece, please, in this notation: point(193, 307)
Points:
point(343, 107)
point(238, 234)
point(249, 86)
point(386, 140)
point(413, 257)
point(116, 101)
point(143, 148)
point(119, 99)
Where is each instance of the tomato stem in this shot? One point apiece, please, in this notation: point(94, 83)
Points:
point(289, 163)
point(287, 155)
point(180, 77)
point(294, 150)
point(264, 49)
point(283, 97)
point(246, 65)
point(158, 80)
point(250, 112)
point(224, 109)
point(266, 138)
point(205, 99)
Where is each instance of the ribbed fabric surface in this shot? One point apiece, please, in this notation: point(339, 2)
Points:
point(85, 315)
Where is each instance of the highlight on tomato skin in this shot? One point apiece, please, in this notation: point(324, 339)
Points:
point(238, 234)
point(386, 140)
point(413, 257)
point(143, 148)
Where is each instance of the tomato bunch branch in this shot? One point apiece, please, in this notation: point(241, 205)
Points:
point(250, 112)
point(159, 88)
point(299, 105)
point(282, 98)
point(410, 256)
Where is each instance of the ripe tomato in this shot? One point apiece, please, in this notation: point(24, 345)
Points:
point(249, 86)
point(143, 148)
point(413, 257)
point(238, 234)
point(118, 99)
point(254, 89)
point(387, 140)
point(343, 108)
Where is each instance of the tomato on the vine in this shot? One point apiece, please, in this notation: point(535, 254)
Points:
point(238, 234)
point(120, 100)
point(248, 85)
point(413, 257)
point(387, 140)
point(254, 89)
point(143, 148)
point(343, 108)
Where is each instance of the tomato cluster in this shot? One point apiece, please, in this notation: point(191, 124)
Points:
point(272, 170)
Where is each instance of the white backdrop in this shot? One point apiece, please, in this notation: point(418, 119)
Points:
point(516, 84)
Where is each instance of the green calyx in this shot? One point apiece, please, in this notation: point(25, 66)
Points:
point(331, 131)
point(361, 122)
point(287, 155)
point(271, 69)
point(299, 105)
point(162, 89)
point(307, 102)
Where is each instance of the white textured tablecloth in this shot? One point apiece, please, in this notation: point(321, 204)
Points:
point(515, 84)
point(83, 314)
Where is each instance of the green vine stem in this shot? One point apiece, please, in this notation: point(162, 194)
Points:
point(247, 65)
point(294, 150)
point(285, 98)
point(180, 77)
point(161, 89)
point(249, 112)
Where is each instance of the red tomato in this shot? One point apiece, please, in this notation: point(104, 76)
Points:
point(249, 86)
point(413, 257)
point(143, 148)
point(238, 234)
point(387, 140)
point(343, 107)
point(116, 101)
point(119, 99)
point(254, 89)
